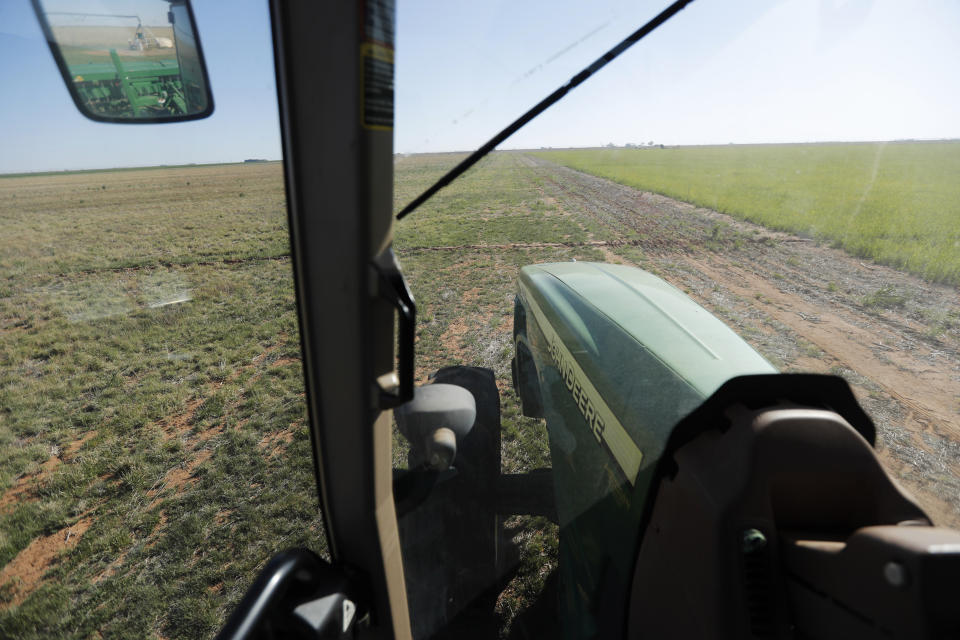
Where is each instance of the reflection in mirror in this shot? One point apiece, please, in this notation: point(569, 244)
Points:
point(128, 60)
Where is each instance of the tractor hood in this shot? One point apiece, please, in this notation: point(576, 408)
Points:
point(682, 335)
point(620, 357)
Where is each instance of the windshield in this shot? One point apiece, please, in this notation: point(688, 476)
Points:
point(790, 167)
point(752, 188)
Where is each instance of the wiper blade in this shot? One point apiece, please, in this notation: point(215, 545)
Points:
point(542, 106)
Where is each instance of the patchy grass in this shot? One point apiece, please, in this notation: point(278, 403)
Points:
point(154, 451)
point(894, 203)
point(886, 297)
point(153, 443)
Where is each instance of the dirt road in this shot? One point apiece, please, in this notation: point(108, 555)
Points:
point(806, 307)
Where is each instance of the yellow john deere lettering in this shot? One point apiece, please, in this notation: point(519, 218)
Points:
point(605, 426)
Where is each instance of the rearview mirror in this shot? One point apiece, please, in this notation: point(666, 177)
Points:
point(128, 60)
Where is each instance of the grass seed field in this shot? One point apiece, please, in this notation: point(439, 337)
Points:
point(154, 451)
point(895, 203)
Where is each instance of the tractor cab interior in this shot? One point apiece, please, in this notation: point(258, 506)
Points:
point(614, 425)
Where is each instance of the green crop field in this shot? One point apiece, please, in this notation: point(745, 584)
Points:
point(895, 203)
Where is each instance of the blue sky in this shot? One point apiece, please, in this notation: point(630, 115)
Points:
point(749, 71)
point(41, 129)
point(719, 72)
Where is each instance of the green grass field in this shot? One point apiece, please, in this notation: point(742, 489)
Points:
point(894, 203)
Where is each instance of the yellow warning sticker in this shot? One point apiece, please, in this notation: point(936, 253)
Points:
point(376, 86)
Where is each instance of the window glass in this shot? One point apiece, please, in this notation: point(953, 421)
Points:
point(790, 167)
point(154, 446)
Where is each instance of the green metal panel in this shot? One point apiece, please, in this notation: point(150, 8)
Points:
point(90, 71)
point(125, 86)
point(621, 357)
point(701, 349)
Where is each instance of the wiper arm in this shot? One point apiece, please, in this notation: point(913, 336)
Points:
point(542, 106)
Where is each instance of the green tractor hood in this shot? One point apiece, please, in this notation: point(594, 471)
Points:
point(684, 336)
point(631, 347)
point(613, 357)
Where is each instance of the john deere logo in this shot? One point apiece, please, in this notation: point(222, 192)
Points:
point(584, 403)
point(599, 418)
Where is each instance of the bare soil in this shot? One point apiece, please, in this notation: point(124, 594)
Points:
point(104, 37)
point(806, 307)
point(22, 489)
point(26, 571)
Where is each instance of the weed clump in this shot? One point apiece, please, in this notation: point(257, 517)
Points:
point(885, 297)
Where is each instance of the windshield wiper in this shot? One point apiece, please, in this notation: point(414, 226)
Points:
point(542, 106)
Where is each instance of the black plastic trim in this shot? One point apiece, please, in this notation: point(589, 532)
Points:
point(290, 578)
point(394, 289)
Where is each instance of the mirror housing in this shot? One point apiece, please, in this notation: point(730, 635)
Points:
point(438, 416)
point(129, 66)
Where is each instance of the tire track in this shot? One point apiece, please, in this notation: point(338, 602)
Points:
point(848, 344)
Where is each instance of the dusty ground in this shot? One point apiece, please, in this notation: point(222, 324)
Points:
point(807, 308)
